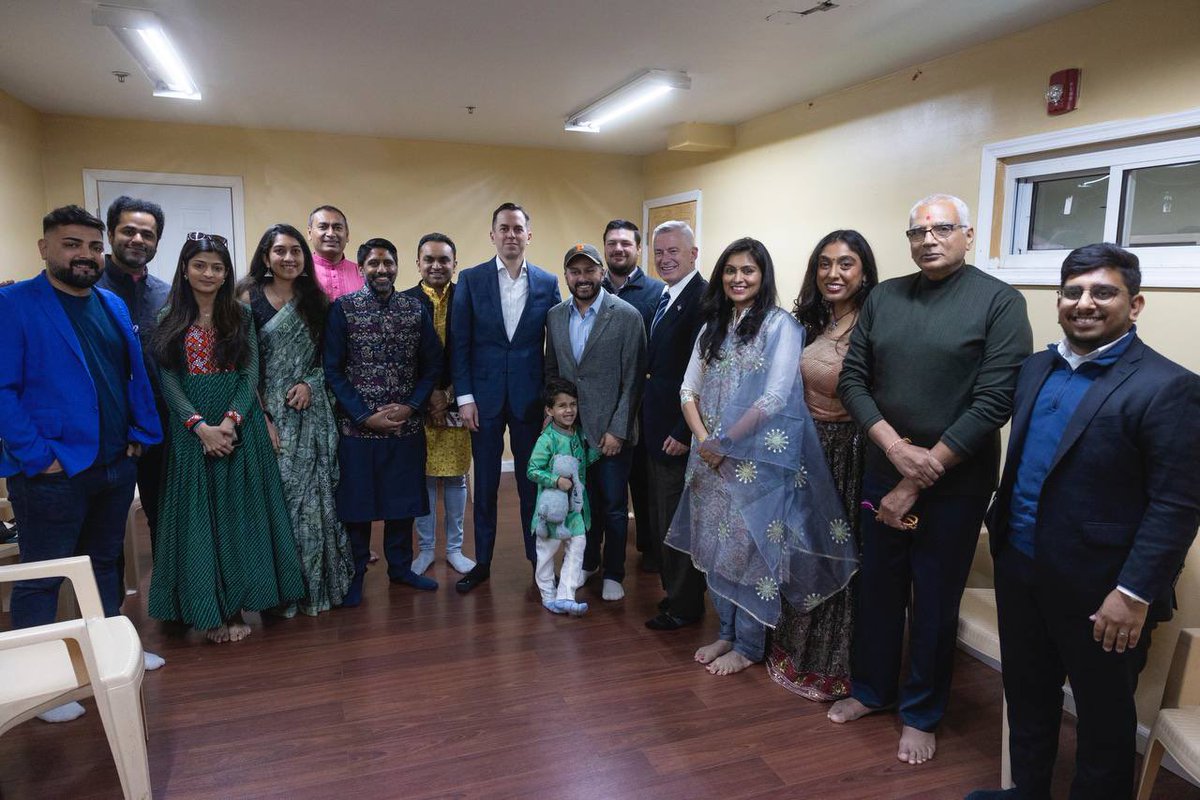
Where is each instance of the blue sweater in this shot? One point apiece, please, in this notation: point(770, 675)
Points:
point(1056, 402)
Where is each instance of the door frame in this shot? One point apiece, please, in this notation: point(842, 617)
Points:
point(91, 196)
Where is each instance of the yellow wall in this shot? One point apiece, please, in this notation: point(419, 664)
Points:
point(387, 187)
point(861, 157)
point(22, 194)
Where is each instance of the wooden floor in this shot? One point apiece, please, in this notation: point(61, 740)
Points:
point(422, 695)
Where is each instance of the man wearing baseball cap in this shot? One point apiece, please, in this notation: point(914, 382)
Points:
point(598, 342)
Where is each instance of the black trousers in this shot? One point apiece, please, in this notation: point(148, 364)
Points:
point(1041, 645)
point(927, 568)
point(639, 493)
point(683, 583)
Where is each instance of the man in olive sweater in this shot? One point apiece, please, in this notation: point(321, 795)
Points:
point(930, 377)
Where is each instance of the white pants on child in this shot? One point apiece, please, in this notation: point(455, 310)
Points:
point(571, 574)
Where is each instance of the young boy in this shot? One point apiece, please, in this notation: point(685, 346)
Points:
point(560, 437)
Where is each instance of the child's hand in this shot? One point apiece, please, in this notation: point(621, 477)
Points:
point(564, 484)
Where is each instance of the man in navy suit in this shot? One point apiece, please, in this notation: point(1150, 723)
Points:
point(673, 330)
point(1097, 507)
point(76, 409)
point(498, 334)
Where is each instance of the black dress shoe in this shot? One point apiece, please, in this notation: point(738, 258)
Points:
point(667, 622)
point(479, 574)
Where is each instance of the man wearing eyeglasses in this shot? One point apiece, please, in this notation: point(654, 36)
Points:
point(929, 376)
point(1096, 510)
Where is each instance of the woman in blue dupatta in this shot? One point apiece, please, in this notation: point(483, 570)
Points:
point(289, 312)
point(759, 513)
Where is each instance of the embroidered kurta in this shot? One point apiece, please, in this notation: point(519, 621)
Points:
point(448, 449)
point(377, 353)
point(338, 278)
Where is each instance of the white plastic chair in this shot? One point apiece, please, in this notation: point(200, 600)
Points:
point(1177, 729)
point(96, 656)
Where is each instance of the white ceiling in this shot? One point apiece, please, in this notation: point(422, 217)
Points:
point(408, 69)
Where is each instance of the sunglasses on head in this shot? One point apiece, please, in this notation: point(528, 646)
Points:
point(201, 236)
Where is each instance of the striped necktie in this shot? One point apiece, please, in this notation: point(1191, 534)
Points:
point(662, 309)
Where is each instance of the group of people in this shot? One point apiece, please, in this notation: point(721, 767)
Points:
point(822, 474)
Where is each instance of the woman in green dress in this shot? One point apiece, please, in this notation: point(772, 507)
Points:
point(225, 541)
point(289, 310)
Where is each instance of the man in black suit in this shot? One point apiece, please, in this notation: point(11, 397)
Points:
point(1096, 510)
point(625, 279)
point(673, 330)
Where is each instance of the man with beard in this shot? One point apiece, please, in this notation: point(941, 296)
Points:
point(627, 280)
point(76, 409)
point(1096, 510)
point(134, 230)
point(328, 233)
point(382, 358)
point(448, 442)
point(598, 342)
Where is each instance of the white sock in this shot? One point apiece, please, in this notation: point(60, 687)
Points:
point(585, 575)
point(422, 562)
point(460, 563)
point(152, 661)
point(554, 606)
point(63, 713)
point(612, 590)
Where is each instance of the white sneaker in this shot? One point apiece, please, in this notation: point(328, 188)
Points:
point(151, 661)
point(612, 590)
point(422, 562)
point(460, 563)
point(63, 713)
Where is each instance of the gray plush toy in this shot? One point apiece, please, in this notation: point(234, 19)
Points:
point(554, 505)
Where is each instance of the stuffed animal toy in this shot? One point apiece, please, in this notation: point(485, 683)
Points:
point(554, 505)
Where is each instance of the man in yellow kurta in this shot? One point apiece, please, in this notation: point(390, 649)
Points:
point(448, 443)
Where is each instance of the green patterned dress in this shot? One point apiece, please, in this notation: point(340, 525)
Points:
point(308, 453)
point(224, 536)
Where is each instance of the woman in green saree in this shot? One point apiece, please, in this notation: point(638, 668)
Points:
point(289, 310)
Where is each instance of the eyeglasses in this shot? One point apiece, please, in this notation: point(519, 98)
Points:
point(941, 232)
point(1101, 293)
point(201, 236)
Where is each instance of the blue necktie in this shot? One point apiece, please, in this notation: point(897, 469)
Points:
point(662, 310)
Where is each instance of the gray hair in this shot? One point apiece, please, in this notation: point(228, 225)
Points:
point(676, 226)
point(964, 211)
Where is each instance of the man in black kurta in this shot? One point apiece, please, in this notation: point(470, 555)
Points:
point(382, 358)
point(929, 376)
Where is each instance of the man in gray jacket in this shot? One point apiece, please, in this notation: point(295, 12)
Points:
point(598, 342)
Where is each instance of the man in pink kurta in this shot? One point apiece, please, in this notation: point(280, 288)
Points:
point(328, 233)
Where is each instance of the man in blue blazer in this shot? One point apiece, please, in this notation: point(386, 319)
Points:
point(76, 408)
point(1097, 507)
point(498, 333)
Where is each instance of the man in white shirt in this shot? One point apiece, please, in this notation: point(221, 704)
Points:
point(498, 325)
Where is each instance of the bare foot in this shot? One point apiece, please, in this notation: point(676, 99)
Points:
point(848, 710)
point(238, 631)
point(916, 747)
point(218, 635)
point(710, 652)
point(728, 664)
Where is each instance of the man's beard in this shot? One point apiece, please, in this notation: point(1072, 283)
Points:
point(70, 277)
point(624, 271)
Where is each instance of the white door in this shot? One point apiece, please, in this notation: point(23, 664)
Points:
point(210, 204)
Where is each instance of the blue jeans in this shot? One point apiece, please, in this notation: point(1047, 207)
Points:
point(60, 517)
point(454, 492)
point(749, 636)
point(608, 496)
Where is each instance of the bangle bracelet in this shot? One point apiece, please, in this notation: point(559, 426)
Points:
point(892, 446)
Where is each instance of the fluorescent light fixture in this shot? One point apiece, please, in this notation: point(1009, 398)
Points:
point(640, 91)
point(143, 34)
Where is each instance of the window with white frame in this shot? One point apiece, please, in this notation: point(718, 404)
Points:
point(1143, 196)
